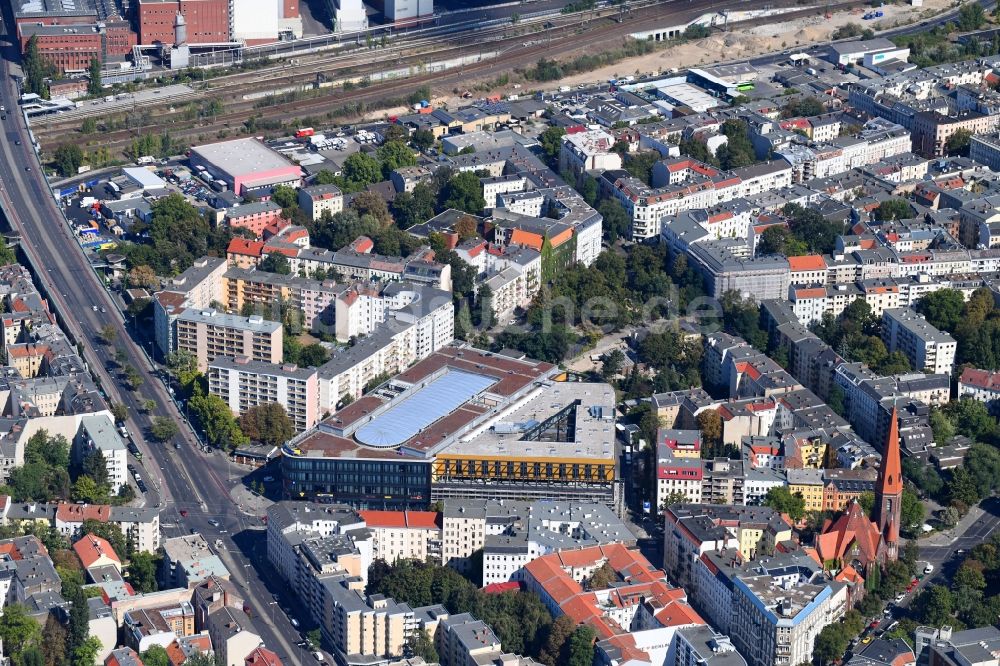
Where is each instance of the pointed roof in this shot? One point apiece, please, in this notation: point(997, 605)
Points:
point(851, 527)
point(890, 472)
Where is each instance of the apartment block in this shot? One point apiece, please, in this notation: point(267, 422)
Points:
point(98, 433)
point(316, 200)
point(926, 347)
point(244, 383)
point(188, 560)
point(404, 535)
point(209, 334)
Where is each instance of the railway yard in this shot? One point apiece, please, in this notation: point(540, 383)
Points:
point(312, 86)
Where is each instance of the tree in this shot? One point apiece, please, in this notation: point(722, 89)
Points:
point(959, 142)
point(360, 169)
point(559, 632)
point(394, 155)
point(970, 17)
point(611, 363)
point(893, 209)
point(217, 421)
point(830, 644)
point(422, 646)
point(35, 69)
point(416, 207)
point(943, 308)
point(935, 606)
point(466, 227)
point(580, 647)
point(777, 239)
point(108, 334)
point(285, 196)
point(54, 641)
point(156, 655)
point(370, 203)
point(32, 656)
point(94, 86)
point(782, 500)
point(313, 356)
point(602, 578)
point(710, 425)
point(912, 513)
point(18, 630)
point(422, 139)
point(463, 192)
point(120, 411)
point(68, 159)
point(551, 142)
point(163, 429)
point(971, 418)
point(737, 151)
point(148, 405)
point(86, 652)
point(95, 465)
point(276, 263)
point(616, 221)
point(267, 424)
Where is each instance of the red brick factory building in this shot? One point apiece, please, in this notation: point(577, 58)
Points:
point(207, 21)
point(73, 32)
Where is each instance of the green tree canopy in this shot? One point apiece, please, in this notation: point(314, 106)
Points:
point(267, 424)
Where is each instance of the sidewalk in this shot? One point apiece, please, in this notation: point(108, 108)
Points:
point(248, 502)
point(945, 537)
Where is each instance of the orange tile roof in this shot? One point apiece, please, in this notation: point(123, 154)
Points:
point(414, 519)
point(245, 246)
point(809, 262)
point(521, 237)
point(91, 548)
point(261, 656)
point(77, 513)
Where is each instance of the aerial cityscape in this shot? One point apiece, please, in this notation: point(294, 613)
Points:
point(483, 333)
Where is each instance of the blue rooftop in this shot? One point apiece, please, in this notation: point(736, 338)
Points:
point(425, 406)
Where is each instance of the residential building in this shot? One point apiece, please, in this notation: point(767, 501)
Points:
point(208, 334)
point(188, 560)
point(316, 200)
point(981, 385)
point(244, 383)
point(926, 347)
point(98, 433)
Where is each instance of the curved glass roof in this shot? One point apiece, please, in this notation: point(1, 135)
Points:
point(436, 400)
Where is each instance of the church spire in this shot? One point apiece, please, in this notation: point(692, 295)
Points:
point(889, 491)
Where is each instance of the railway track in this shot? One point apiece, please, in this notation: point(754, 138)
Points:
point(514, 55)
point(303, 69)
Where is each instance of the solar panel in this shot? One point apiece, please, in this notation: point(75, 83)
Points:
point(414, 413)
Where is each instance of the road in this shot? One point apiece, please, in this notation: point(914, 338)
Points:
point(181, 479)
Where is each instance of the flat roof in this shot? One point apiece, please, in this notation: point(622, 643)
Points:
point(515, 432)
point(144, 178)
point(241, 157)
point(429, 403)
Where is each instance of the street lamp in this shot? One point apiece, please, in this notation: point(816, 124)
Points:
point(272, 604)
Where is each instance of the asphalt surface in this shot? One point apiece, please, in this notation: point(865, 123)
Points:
point(177, 479)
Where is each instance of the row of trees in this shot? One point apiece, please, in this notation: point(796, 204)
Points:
point(520, 620)
point(975, 324)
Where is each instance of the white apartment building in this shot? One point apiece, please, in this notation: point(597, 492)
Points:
point(404, 535)
point(775, 623)
point(98, 433)
point(588, 151)
point(318, 199)
point(244, 383)
point(927, 348)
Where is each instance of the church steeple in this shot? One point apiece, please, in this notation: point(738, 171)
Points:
point(889, 491)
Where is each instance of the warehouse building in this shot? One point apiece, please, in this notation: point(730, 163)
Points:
point(246, 166)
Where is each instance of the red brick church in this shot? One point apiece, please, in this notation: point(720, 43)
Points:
point(855, 540)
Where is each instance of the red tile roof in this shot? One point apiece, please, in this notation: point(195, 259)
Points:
point(91, 548)
point(427, 520)
point(809, 262)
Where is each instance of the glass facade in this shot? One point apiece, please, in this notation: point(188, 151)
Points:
point(361, 483)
